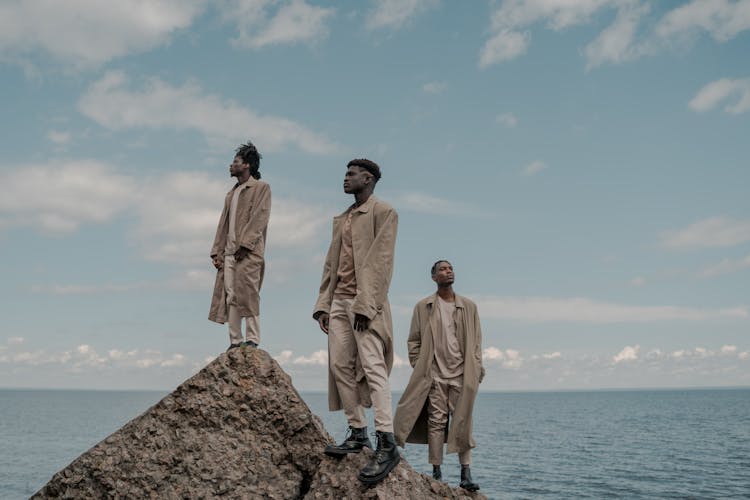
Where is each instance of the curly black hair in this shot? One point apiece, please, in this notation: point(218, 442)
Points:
point(368, 165)
point(250, 155)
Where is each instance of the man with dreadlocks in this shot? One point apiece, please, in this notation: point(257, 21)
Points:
point(238, 249)
point(352, 309)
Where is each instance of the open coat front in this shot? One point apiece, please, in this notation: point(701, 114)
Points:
point(253, 211)
point(374, 228)
point(410, 422)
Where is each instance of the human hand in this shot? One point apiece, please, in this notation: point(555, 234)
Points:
point(323, 322)
point(217, 262)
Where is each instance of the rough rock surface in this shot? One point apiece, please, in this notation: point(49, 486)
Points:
point(236, 429)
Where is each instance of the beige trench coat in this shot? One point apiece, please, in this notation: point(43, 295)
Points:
point(253, 211)
point(410, 422)
point(374, 227)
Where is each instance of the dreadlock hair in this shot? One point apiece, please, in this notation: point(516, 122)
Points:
point(250, 155)
point(433, 270)
point(368, 165)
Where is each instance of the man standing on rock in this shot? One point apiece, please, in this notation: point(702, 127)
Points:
point(238, 249)
point(353, 309)
point(445, 350)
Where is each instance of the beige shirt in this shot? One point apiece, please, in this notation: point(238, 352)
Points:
point(347, 280)
point(232, 247)
point(449, 360)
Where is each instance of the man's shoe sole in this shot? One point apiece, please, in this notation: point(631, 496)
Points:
point(376, 479)
point(474, 487)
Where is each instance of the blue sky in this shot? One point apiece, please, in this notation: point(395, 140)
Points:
point(583, 164)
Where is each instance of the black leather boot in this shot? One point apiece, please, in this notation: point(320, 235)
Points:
point(385, 459)
point(437, 473)
point(353, 443)
point(466, 482)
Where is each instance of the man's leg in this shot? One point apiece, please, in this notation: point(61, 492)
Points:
point(464, 457)
point(437, 420)
point(252, 330)
point(342, 353)
point(234, 319)
point(372, 358)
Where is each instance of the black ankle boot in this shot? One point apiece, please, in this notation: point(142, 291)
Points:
point(437, 473)
point(385, 459)
point(466, 482)
point(353, 443)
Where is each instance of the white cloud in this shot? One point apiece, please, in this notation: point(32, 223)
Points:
point(503, 46)
point(508, 120)
point(534, 167)
point(723, 19)
point(711, 232)
point(711, 95)
point(627, 354)
point(510, 358)
point(552, 355)
point(60, 197)
point(728, 349)
point(89, 32)
point(726, 266)
point(283, 357)
point(434, 87)
point(744, 355)
point(394, 14)
point(617, 42)
point(158, 105)
point(425, 203)
point(542, 309)
point(318, 358)
point(293, 22)
point(15, 340)
point(59, 137)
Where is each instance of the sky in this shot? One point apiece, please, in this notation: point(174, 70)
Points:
point(582, 163)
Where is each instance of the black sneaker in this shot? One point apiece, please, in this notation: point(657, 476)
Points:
point(233, 346)
point(353, 443)
point(249, 343)
point(382, 463)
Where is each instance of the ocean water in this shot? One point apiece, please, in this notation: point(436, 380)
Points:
point(602, 444)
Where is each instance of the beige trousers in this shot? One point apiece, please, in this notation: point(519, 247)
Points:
point(252, 323)
point(345, 345)
point(442, 402)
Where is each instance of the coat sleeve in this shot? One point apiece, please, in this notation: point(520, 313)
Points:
point(253, 230)
point(414, 342)
point(323, 304)
point(375, 274)
point(478, 345)
point(220, 239)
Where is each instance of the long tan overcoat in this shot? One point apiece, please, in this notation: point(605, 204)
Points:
point(410, 422)
point(253, 211)
point(374, 228)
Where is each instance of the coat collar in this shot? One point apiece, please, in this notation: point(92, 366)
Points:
point(245, 184)
point(433, 298)
point(363, 208)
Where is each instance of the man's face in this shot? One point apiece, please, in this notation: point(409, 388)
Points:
point(237, 167)
point(355, 179)
point(443, 274)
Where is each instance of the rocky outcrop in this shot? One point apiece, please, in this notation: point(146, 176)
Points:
point(236, 429)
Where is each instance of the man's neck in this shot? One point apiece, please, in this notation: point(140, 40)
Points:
point(361, 197)
point(242, 178)
point(446, 293)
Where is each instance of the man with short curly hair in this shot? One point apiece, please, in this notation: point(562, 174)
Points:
point(353, 309)
point(238, 249)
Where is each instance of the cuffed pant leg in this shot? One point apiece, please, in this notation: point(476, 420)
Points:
point(437, 420)
point(372, 359)
point(342, 352)
point(234, 319)
point(454, 393)
point(252, 329)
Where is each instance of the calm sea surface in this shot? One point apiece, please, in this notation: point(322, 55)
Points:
point(618, 444)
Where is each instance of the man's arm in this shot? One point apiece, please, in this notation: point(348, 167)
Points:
point(252, 231)
point(377, 268)
point(478, 345)
point(415, 337)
